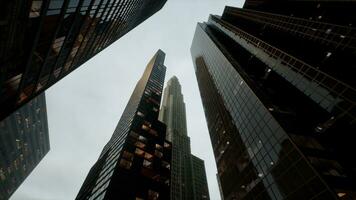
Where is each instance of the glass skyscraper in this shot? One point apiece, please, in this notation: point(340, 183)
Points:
point(41, 41)
point(277, 84)
point(24, 141)
point(188, 178)
point(135, 164)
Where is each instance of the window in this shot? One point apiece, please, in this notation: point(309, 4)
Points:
point(140, 145)
point(153, 132)
point(142, 139)
point(134, 135)
point(139, 152)
point(167, 145)
point(2, 175)
point(125, 164)
point(35, 9)
point(159, 147)
point(158, 154)
point(153, 195)
point(148, 156)
point(166, 165)
point(145, 127)
point(140, 114)
point(57, 45)
point(147, 164)
point(127, 155)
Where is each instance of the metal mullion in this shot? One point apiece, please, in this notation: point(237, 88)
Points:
point(75, 59)
point(109, 32)
point(104, 32)
point(106, 10)
point(119, 14)
point(125, 12)
point(130, 11)
point(64, 43)
point(105, 37)
point(97, 36)
point(63, 10)
point(324, 75)
point(93, 35)
point(44, 9)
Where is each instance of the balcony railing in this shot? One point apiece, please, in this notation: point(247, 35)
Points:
point(326, 33)
point(286, 65)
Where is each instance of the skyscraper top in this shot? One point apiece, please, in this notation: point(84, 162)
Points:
point(173, 109)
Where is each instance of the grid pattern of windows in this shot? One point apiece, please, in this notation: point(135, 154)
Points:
point(59, 37)
point(24, 141)
point(273, 157)
point(136, 160)
point(172, 113)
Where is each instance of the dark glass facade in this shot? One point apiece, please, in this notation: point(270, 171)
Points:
point(135, 164)
point(24, 141)
point(41, 41)
point(199, 182)
point(276, 81)
point(188, 178)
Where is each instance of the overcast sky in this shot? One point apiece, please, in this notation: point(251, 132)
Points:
point(85, 106)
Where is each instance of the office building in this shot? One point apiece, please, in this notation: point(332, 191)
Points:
point(44, 40)
point(188, 179)
point(277, 84)
point(199, 182)
point(135, 163)
point(24, 141)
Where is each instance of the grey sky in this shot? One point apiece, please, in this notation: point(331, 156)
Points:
point(84, 107)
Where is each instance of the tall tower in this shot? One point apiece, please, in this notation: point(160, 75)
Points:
point(41, 41)
point(24, 141)
point(277, 84)
point(135, 163)
point(188, 176)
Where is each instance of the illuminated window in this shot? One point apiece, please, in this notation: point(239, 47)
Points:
point(35, 9)
point(57, 45)
point(153, 195)
point(147, 164)
point(148, 156)
point(145, 127)
point(142, 139)
point(140, 145)
point(341, 194)
point(158, 154)
point(159, 147)
point(147, 124)
point(140, 114)
point(139, 152)
point(166, 165)
point(167, 145)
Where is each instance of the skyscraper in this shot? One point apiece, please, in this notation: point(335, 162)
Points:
point(276, 82)
point(135, 163)
point(24, 142)
point(188, 178)
point(44, 40)
point(199, 182)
